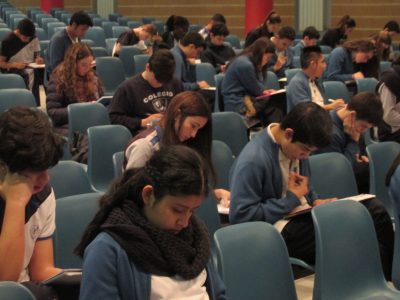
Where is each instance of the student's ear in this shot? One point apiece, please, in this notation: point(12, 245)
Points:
point(289, 133)
point(146, 194)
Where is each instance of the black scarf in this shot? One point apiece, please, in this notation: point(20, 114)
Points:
point(391, 78)
point(157, 251)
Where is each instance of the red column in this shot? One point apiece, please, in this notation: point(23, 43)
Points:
point(46, 5)
point(256, 11)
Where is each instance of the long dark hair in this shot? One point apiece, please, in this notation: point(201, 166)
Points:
point(256, 51)
point(183, 105)
point(346, 22)
point(175, 170)
point(272, 18)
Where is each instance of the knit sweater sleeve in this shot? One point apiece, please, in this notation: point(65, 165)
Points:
point(247, 77)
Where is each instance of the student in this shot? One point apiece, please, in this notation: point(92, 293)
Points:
point(217, 53)
point(135, 37)
point(185, 54)
point(187, 121)
point(304, 85)
point(267, 29)
point(389, 93)
point(363, 111)
point(17, 49)
point(283, 58)
point(73, 81)
point(177, 27)
point(392, 28)
point(143, 98)
point(29, 146)
point(61, 40)
point(244, 74)
point(336, 36)
point(271, 177)
point(216, 19)
point(342, 59)
point(145, 242)
point(310, 38)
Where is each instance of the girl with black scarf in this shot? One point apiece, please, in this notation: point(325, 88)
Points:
point(144, 242)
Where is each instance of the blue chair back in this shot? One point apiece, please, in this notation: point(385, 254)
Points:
point(325, 49)
point(52, 28)
point(73, 214)
point(111, 72)
point(65, 18)
point(107, 26)
point(10, 290)
point(126, 54)
point(347, 255)
point(381, 156)
point(229, 127)
point(134, 24)
point(69, 178)
point(118, 163)
point(271, 81)
point(385, 65)
point(117, 30)
point(194, 27)
point(147, 20)
point(123, 21)
point(159, 26)
point(336, 90)
point(99, 52)
point(234, 41)
point(332, 175)
point(110, 45)
point(219, 102)
point(140, 61)
point(114, 16)
point(222, 159)
point(254, 263)
point(11, 81)
point(296, 62)
point(4, 32)
point(41, 34)
point(100, 160)
point(394, 193)
point(289, 73)
point(97, 21)
point(206, 72)
point(366, 84)
point(97, 35)
point(16, 97)
point(81, 116)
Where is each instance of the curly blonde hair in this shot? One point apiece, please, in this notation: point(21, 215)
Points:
point(68, 77)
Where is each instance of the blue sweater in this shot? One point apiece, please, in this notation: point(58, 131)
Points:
point(240, 79)
point(340, 65)
point(256, 183)
point(298, 48)
point(58, 45)
point(108, 273)
point(298, 90)
point(341, 141)
point(183, 70)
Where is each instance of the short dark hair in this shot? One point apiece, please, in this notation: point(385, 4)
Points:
point(219, 29)
point(219, 18)
point(287, 32)
point(81, 18)
point(28, 140)
point(162, 64)
point(311, 32)
point(193, 38)
point(308, 54)
point(392, 25)
point(174, 21)
point(311, 124)
point(26, 28)
point(367, 106)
